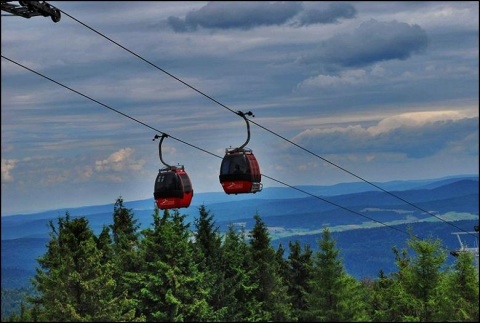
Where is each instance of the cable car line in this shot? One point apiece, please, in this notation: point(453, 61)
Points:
point(206, 151)
point(150, 63)
point(106, 106)
point(272, 132)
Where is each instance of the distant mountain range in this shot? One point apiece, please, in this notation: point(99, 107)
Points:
point(366, 222)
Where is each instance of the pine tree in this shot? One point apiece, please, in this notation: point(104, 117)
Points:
point(124, 250)
point(415, 292)
point(382, 305)
point(209, 258)
point(421, 278)
point(458, 291)
point(239, 285)
point(463, 288)
point(335, 296)
point(125, 238)
point(73, 284)
point(272, 289)
point(171, 288)
point(299, 275)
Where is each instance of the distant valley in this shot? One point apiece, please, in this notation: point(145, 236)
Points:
point(366, 222)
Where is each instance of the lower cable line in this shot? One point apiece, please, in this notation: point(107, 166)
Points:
point(215, 155)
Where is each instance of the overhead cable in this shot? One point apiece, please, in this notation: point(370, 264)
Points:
point(199, 148)
point(270, 131)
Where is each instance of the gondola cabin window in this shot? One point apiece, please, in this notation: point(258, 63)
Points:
point(187, 185)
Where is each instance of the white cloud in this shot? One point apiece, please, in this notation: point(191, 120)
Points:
point(414, 119)
point(7, 166)
point(349, 77)
point(119, 161)
point(415, 134)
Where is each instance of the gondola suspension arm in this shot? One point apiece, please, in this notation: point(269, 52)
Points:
point(160, 148)
point(242, 114)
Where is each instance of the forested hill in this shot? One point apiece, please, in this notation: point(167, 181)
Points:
point(366, 229)
point(367, 213)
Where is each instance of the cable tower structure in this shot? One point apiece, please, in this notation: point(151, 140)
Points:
point(28, 9)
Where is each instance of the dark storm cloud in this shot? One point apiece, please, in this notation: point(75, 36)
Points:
point(332, 14)
point(247, 15)
point(241, 15)
point(373, 41)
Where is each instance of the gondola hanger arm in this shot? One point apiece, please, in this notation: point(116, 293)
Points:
point(243, 115)
point(163, 136)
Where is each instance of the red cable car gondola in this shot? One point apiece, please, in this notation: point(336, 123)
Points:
point(173, 188)
point(239, 172)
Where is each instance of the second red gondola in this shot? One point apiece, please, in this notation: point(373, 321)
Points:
point(239, 171)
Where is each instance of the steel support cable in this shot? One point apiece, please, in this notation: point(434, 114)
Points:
point(201, 149)
point(106, 106)
point(268, 130)
point(150, 63)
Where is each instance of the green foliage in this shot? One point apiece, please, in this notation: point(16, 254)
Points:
point(272, 290)
point(168, 272)
point(73, 283)
point(14, 301)
point(171, 286)
point(335, 296)
point(299, 275)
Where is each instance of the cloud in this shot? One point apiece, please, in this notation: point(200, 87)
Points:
point(373, 41)
point(236, 15)
point(414, 119)
point(415, 135)
point(50, 171)
point(119, 161)
point(248, 15)
point(349, 77)
point(7, 166)
point(332, 14)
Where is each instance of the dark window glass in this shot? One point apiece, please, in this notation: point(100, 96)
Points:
point(234, 164)
point(187, 185)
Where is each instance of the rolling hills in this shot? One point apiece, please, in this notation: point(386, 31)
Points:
point(366, 223)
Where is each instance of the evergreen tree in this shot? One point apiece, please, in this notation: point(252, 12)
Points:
point(208, 256)
point(125, 238)
point(272, 290)
point(299, 275)
point(415, 292)
point(104, 243)
point(464, 288)
point(283, 268)
point(171, 288)
point(382, 303)
point(124, 251)
point(421, 278)
point(335, 296)
point(239, 285)
point(460, 292)
point(73, 284)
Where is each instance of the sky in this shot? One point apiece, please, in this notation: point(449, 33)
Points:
point(340, 92)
